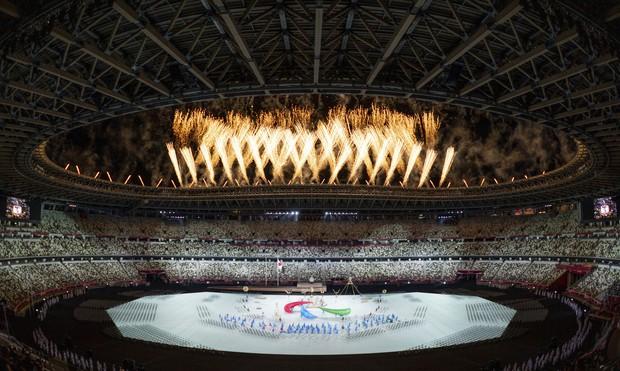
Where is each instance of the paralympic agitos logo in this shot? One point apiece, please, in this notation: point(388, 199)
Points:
point(305, 308)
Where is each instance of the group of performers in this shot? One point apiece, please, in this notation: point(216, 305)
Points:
point(313, 328)
point(326, 328)
point(251, 323)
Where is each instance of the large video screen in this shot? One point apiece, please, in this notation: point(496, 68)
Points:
point(605, 208)
point(17, 208)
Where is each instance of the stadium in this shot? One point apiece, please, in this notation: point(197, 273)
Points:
point(288, 184)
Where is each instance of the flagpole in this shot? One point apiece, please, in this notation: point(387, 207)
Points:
point(266, 271)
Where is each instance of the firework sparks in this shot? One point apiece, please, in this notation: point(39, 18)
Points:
point(413, 157)
point(447, 164)
point(172, 153)
point(206, 157)
point(375, 146)
point(429, 160)
point(188, 157)
point(431, 124)
point(396, 159)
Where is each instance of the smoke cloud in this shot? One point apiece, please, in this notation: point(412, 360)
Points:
point(129, 145)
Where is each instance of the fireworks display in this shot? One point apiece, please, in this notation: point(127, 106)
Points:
point(272, 141)
point(447, 164)
point(374, 146)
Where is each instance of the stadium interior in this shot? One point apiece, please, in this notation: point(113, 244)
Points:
point(291, 184)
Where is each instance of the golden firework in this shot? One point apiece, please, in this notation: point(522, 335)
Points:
point(285, 146)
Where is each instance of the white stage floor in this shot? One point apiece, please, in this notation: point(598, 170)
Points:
point(254, 323)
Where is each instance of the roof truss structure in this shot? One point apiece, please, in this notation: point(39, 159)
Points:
point(110, 59)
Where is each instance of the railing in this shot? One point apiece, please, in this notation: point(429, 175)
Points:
point(38, 296)
point(33, 233)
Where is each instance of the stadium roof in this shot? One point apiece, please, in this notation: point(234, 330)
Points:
point(75, 63)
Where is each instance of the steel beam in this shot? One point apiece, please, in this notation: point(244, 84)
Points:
point(24, 106)
point(602, 127)
point(48, 94)
point(233, 31)
point(590, 121)
point(28, 120)
point(15, 133)
point(286, 39)
point(318, 36)
point(403, 28)
point(109, 59)
point(577, 94)
point(348, 25)
point(154, 35)
point(23, 128)
point(583, 110)
point(474, 38)
point(67, 76)
point(520, 60)
point(565, 74)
